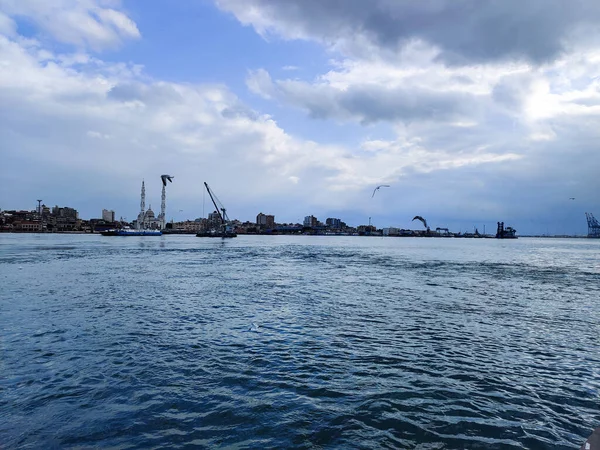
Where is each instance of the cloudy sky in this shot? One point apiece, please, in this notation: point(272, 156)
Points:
point(471, 111)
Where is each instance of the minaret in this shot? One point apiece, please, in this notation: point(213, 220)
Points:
point(163, 201)
point(142, 208)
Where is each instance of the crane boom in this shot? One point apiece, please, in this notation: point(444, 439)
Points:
point(215, 203)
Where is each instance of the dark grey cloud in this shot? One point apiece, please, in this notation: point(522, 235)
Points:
point(466, 31)
point(376, 103)
point(369, 103)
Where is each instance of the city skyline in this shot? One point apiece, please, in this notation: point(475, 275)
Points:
point(490, 114)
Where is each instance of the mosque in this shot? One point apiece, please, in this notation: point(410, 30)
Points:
point(146, 219)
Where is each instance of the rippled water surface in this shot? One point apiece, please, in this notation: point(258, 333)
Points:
point(303, 342)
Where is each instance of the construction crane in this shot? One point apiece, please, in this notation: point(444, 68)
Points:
point(219, 207)
point(593, 226)
point(225, 230)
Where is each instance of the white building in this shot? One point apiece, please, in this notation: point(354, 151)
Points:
point(391, 231)
point(148, 221)
point(108, 215)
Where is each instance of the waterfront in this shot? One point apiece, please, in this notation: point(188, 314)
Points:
point(359, 342)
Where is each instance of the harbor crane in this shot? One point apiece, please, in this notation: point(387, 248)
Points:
point(593, 226)
point(225, 230)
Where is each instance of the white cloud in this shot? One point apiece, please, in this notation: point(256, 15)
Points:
point(508, 138)
point(83, 23)
point(7, 26)
point(78, 116)
point(97, 135)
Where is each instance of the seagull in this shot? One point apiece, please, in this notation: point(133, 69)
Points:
point(571, 198)
point(377, 188)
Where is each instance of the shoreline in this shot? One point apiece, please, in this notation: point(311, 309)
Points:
point(323, 235)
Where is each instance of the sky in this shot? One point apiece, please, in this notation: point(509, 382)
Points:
point(472, 112)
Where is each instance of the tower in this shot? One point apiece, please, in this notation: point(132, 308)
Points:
point(163, 199)
point(140, 220)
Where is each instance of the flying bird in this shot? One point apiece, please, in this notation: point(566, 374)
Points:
point(164, 179)
point(571, 198)
point(379, 187)
point(422, 220)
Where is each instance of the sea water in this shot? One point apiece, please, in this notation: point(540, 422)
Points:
point(298, 342)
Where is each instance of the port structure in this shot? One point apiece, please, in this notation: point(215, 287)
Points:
point(593, 226)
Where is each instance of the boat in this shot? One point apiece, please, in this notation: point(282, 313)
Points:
point(223, 229)
point(218, 234)
point(505, 233)
point(593, 442)
point(130, 232)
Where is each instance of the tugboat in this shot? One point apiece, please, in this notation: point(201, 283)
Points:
point(505, 233)
point(224, 229)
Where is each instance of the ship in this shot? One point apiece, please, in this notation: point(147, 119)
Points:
point(505, 233)
point(130, 232)
point(223, 229)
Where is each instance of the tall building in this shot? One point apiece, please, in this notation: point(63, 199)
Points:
point(310, 221)
point(265, 221)
point(270, 221)
point(261, 219)
point(334, 223)
point(108, 215)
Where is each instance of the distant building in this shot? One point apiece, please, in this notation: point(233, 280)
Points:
point(265, 221)
point(189, 226)
point(108, 215)
point(28, 226)
point(366, 229)
point(310, 221)
point(214, 220)
point(65, 212)
point(261, 219)
point(270, 221)
point(333, 223)
point(148, 220)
